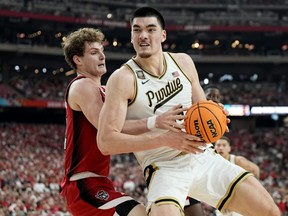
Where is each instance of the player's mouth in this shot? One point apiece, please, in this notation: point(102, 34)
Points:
point(144, 45)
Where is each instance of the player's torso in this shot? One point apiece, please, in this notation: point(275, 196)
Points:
point(154, 96)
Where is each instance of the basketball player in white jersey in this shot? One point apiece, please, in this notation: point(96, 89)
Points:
point(175, 164)
point(223, 147)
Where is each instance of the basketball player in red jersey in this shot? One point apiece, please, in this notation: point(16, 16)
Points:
point(86, 186)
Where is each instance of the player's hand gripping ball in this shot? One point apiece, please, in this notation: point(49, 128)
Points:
point(207, 120)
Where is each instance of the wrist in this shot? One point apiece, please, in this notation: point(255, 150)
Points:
point(151, 122)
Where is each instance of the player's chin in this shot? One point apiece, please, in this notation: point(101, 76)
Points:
point(144, 54)
point(102, 70)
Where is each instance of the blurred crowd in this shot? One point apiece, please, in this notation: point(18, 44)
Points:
point(55, 18)
point(31, 158)
point(52, 88)
point(31, 167)
point(207, 9)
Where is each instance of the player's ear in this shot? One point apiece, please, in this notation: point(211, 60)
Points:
point(163, 35)
point(76, 59)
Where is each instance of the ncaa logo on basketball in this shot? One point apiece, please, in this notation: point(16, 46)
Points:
point(212, 128)
point(102, 195)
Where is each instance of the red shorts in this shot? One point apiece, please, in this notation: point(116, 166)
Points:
point(96, 196)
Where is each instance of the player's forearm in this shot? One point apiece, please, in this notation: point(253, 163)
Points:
point(118, 143)
point(135, 126)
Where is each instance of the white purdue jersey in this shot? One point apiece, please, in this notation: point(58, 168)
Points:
point(155, 95)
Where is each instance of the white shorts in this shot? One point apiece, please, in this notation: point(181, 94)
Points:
point(218, 213)
point(206, 177)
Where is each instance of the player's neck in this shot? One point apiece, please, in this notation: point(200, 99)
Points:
point(154, 64)
point(96, 79)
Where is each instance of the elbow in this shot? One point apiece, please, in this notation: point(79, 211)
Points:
point(256, 172)
point(103, 146)
point(104, 151)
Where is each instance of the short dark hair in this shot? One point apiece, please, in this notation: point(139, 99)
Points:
point(148, 12)
point(210, 86)
point(227, 139)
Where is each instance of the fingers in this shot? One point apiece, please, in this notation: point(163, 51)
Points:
point(177, 112)
point(224, 110)
point(184, 142)
point(175, 127)
point(193, 146)
point(178, 109)
point(178, 106)
point(227, 129)
point(168, 120)
point(195, 138)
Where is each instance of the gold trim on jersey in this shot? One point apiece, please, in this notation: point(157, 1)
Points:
point(135, 85)
point(151, 74)
point(179, 67)
point(222, 204)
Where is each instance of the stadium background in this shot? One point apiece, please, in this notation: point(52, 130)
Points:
point(240, 46)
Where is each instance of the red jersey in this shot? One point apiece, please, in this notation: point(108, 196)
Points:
point(81, 150)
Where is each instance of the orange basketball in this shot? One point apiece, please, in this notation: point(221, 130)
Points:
point(207, 120)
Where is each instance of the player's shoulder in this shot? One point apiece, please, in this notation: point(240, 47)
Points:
point(121, 73)
point(239, 160)
point(182, 59)
point(180, 56)
point(82, 82)
point(121, 76)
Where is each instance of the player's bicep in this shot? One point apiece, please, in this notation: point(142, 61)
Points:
point(118, 92)
point(246, 164)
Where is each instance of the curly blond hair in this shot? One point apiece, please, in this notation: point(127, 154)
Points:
point(74, 43)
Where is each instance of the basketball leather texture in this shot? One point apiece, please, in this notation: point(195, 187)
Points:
point(207, 120)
